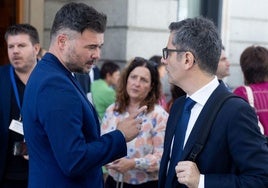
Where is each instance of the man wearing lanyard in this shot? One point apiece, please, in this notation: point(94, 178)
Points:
point(23, 46)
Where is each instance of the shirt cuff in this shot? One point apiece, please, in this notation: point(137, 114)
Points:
point(201, 181)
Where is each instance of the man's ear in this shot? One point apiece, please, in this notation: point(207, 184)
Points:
point(37, 48)
point(61, 40)
point(189, 59)
point(108, 76)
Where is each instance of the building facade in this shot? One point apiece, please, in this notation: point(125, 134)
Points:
point(140, 27)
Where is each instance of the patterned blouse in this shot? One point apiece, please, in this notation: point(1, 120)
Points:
point(146, 149)
point(260, 95)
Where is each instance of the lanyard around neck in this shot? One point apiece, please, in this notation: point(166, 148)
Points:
point(15, 88)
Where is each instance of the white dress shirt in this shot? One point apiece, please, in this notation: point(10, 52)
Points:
point(200, 97)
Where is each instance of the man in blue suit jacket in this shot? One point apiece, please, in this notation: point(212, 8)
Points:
point(236, 153)
point(61, 127)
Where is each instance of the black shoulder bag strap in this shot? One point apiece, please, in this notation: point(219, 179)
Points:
point(200, 143)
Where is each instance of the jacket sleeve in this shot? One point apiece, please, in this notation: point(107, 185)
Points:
point(72, 131)
point(246, 149)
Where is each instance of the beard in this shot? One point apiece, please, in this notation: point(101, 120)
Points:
point(73, 61)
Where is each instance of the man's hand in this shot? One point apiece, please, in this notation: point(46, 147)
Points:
point(131, 126)
point(188, 173)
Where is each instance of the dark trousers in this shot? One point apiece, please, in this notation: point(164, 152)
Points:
point(110, 183)
point(14, 184)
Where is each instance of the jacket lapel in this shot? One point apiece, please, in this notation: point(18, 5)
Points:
point(6, 98)
point(176, 110)
point(53, 60)
point(173, 120)
point(200, 122)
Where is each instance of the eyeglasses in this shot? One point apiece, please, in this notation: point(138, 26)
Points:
point(166, 51)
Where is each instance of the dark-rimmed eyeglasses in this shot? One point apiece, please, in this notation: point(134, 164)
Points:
point(166, 51)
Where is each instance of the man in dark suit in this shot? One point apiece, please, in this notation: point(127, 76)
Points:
point(236, 153)
point(23, 46)
point(61, 127)
point(223, 69)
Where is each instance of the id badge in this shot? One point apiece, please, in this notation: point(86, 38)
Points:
point(16, 126)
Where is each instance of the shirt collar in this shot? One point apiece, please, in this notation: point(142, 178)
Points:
point(201, 96)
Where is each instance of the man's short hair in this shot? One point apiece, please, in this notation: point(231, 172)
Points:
point(27, 29)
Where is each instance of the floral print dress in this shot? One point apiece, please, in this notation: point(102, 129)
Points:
point(146, 149)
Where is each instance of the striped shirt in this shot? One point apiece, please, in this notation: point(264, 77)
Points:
point(260, 95)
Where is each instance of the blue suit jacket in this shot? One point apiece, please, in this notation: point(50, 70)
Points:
point(235, 155)
point(62, 131)
point(5, 98)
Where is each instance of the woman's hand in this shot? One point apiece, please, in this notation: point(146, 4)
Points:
point(121, 165)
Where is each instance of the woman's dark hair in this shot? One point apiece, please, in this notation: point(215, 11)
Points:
point(176, 92)
point(254, 64)
point(122, 97)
